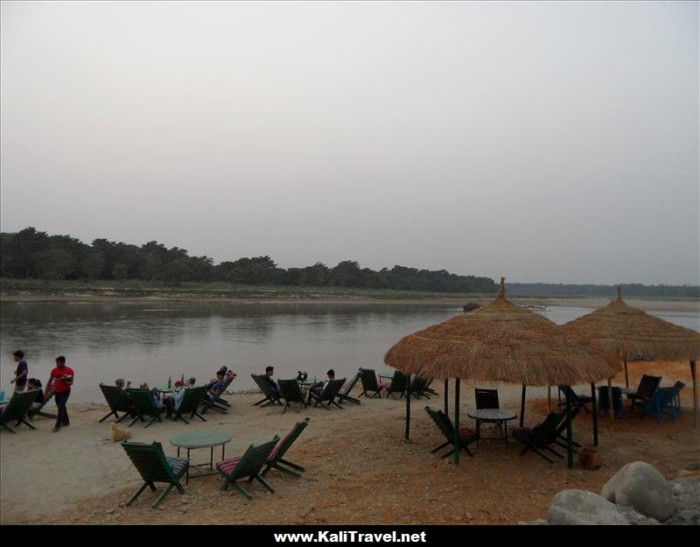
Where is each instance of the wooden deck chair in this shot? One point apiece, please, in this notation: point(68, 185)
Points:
point(398, 384)
point(664, 401)
point(276, 458)
point(369, 383)
point(191, 401)
point(247, 466)
point(466, 436)
point(344, 393)
point(118, 401)
point(292, 393)
point(329, 394)
point(153, 465)
point(17, 408)
point(418, 388)
point(270, 396)
point(574, 397)
point(541, 436)
point(645, 391)
point(38, 411)
point(144, 405)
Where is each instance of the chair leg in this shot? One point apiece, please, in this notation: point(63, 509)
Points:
point(195, 413)
point(242, 490)
point(264, 483)
point(124, 416)
point(25, 422)
point(543, 455)
point(283, 470)
point(107, 416)
point(443, 445)
point(132, 499)
point(162, 496)
point(290, 464)
point(136, 419)
point(8, 428)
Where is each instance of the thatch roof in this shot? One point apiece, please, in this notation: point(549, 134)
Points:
point(501, 342)
point(629, 331)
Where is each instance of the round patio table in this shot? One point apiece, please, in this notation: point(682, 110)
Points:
point(192, 440)
point(493, 415)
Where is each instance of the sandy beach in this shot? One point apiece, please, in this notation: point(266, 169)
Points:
point(359, 469)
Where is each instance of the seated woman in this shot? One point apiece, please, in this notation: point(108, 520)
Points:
point(34, 383)
point(316, 389)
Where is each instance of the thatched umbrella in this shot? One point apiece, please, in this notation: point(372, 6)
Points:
point(629, 331)
point(501, 342)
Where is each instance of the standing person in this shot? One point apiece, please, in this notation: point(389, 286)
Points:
point(60, 381)
point(20, 379)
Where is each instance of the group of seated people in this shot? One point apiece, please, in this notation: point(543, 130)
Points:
point(314, 392)
point(33, 383)
point(172, 401)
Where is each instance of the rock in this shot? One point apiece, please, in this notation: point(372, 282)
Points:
point(641, 486)
point(687, 492)
point(636, 518)
point(582, 507)
point(685, 516)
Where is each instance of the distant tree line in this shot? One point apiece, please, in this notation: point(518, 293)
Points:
point(29, 254)
point(628, 290)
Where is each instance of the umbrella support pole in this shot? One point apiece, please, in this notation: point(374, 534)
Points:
point(522, 406)
point(549, 398)
point(447, 412)
point(456, 433)
point(610, 404)
point(569, 439)
point(595, 415)
point(695, 393)
point(627, 378)
point(408, 408)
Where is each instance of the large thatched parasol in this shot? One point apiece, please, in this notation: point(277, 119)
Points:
point(501, 342)
point(625, 330)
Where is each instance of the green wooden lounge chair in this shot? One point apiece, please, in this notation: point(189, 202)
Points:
point(247, 466)
point(191, 401)
point(270, 396)
point(466, 436)
point(17, 408)
point(645, 391)
point(397, 385)
point(542, 436)
point(32, 412)
point(418, 388)
point(144, 405)
point(276, 460)
point(369, 383)
point(292, 393)
point(215, 402)
point(118, 401)
point(329, 394)
point(344, 393)
point(154, 466)
point(666, 400)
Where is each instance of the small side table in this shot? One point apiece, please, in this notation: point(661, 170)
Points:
point(493, 415)
point(201, 439)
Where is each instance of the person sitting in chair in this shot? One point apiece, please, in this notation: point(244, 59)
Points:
point(316, 389)
point(274, 386)
point(34, 383)
point(173, 402)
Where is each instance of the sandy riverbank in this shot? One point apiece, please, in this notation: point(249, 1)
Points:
point(359, 469)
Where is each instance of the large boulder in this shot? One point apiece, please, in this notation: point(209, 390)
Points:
point(583, 507)
point(641, 486)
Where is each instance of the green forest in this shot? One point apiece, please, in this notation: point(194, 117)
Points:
point(31, 254)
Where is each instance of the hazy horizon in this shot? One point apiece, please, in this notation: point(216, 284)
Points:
point(546, 142)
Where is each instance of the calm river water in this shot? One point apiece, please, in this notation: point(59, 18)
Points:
point(148, 342)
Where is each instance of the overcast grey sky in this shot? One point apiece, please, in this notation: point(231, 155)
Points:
point(550, 141)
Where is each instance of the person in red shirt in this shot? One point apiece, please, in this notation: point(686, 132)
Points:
point(60, 382)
